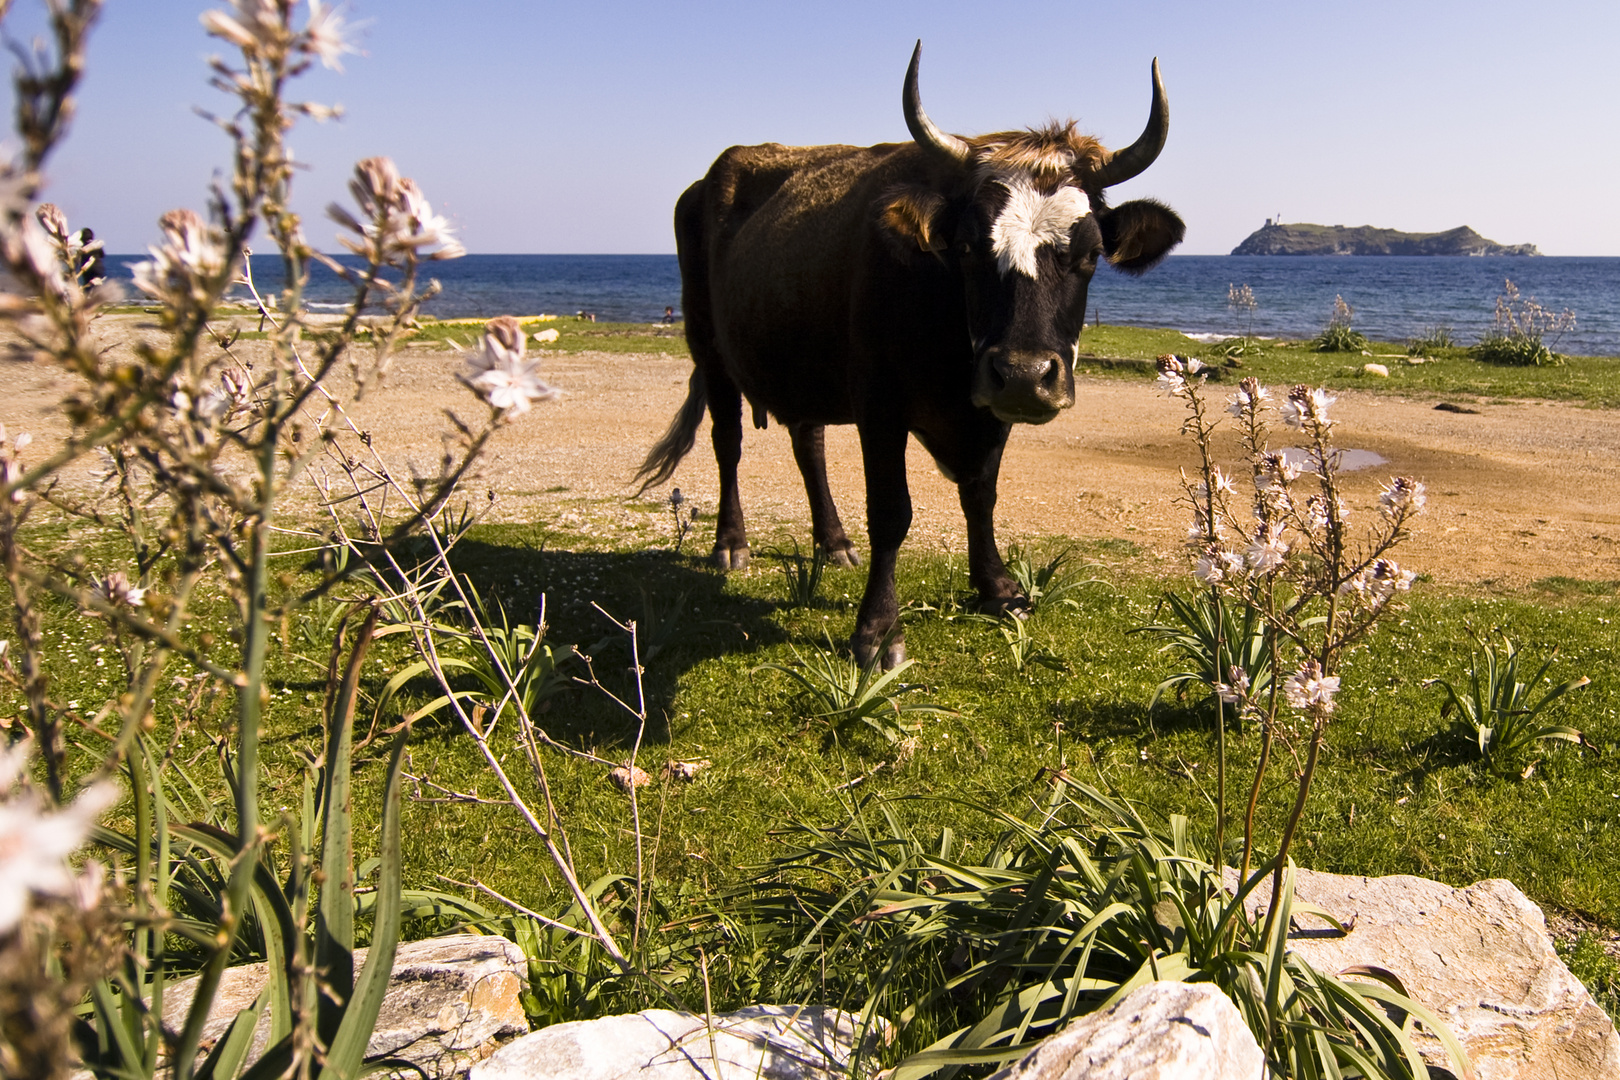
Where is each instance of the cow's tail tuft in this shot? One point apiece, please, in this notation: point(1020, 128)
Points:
point(677, 442)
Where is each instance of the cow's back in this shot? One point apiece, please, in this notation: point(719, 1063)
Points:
point(772, 242)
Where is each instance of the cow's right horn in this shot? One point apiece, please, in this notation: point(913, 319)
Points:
point(1135, 158)
point(942, 144)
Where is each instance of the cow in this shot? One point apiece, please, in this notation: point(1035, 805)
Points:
point(934, 288)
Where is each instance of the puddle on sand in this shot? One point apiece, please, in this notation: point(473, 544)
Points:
point(1349, 460)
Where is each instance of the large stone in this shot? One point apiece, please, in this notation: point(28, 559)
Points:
point(449, 1000)
point(1161, 1031)
point(762, 1042)
point(1480, 957)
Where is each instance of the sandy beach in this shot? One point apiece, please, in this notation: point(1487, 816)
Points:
point(1518, 491)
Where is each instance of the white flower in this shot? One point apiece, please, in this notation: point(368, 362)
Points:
point(1268, 550)
point(397, 218)
point(499, 371)
point(117, 591)
point(1275, 468)
point(1403, 496)
point(11, 466)
point(35, 843)
point(1377, 582)
point(1308, 689)
point(1236, 691)
point(1171, 380)
point(1307, 406)
point(1223, 486)
point(254, 26)
point(323, 35)
point(1215, 565)
point(188, 265)
point(1250, 397)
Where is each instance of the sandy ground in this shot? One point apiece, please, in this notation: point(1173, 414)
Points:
point(1518, 491)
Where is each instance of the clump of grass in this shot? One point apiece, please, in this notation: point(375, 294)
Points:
point(1432, 342)
point(1497, 709)
point(846, 693)
point(1589, 962)
point(1338, 335)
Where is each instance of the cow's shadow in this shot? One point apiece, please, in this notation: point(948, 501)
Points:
point(683, 615)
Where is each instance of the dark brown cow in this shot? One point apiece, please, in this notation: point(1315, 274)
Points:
point(934, 288)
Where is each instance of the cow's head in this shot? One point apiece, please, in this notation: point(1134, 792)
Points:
point(1022, 222)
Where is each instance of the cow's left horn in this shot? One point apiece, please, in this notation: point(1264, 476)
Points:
point(943, 144)
point(1135, 158)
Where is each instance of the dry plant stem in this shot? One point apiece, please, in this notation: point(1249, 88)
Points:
point(640, 713)
point(1211, 505)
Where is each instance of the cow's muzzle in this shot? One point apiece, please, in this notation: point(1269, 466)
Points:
point(1023, 386)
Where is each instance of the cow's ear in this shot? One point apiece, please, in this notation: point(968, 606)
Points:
point(1138, 234)
point(909, 219)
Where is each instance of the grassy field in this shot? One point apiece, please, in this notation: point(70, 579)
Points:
point(1399, 793)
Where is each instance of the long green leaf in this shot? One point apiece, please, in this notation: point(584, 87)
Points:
point(346, 1052)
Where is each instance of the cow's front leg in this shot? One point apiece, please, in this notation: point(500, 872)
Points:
point(725, 415)
point(888, 518)
point(998, 592)
point(827, 529)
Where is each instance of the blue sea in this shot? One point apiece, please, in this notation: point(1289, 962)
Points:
point(1394, 298)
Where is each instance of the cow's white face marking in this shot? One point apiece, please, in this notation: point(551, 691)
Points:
point(1030, 220)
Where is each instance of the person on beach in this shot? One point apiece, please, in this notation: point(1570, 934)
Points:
point(669, 316)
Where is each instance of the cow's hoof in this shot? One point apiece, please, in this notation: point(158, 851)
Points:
point(866, 651)
point(844, 557)
point(735, 558)
point(1016, 606)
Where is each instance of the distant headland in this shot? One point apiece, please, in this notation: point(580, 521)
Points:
point(1275, 238)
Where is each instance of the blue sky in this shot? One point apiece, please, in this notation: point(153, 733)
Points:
point(573, 127)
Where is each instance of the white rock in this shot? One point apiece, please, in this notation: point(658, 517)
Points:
point(762, 1042)
point(1161, 1031)
point(1376, 369)
point(448, 1000)
point(1480, 957)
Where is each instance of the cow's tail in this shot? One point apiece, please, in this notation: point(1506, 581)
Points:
point(677, 442)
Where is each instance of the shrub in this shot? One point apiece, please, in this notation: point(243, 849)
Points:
point(1518, 329)
point(1337, 335)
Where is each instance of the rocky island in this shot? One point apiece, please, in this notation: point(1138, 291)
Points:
point(1275, 238)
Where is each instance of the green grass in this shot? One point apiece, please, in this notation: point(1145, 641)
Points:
point(1588, 380)
point(1395, 794)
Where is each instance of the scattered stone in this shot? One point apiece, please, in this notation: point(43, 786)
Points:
point(626, 777)
point(1376, 369)
point(1161, 1031)
point(1446, 406)
point(761, 1042)
point(1479, 957)
point(685, 770)
point(449, 1001)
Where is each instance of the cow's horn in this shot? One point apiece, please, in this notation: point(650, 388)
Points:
point(1135, 158)
point(946, 146)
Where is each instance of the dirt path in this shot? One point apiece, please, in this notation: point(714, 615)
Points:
point(1518, 492)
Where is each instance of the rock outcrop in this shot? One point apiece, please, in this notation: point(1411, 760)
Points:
point(1480, 957)
point(762, 1042)
point(1161, 1031)
point(1303, 239)
point(449, 1000)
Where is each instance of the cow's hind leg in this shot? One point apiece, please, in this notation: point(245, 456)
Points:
point(827, 530)
point(725, 415)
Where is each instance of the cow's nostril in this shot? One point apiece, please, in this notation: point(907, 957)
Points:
point(1000, 370)
point(1049, 376)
